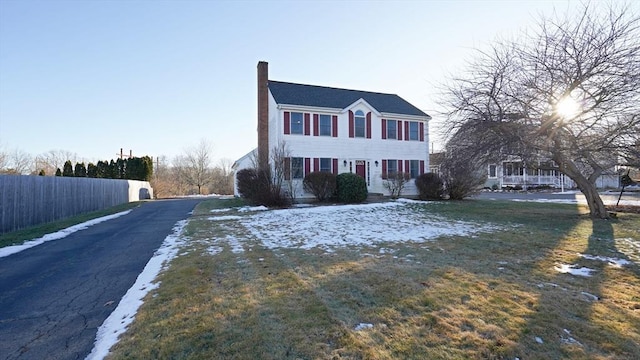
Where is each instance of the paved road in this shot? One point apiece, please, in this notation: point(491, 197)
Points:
point(53, 297)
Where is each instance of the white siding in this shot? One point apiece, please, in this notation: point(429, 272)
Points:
point(350, 149)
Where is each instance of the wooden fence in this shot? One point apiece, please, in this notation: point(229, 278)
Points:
point(31, 200)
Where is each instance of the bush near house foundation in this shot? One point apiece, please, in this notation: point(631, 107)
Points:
point(351, 188)
point(258, 188)
point(430, 186)
point(321, 184)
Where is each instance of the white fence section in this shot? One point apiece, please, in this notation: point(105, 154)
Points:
point(31, 200)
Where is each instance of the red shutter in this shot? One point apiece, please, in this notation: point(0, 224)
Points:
point(421, 131)
point(334, 126)
point(406, 131)
point(400, 166)
point(287, 123)
point(335, 166)
point(384, 169)
point(421, 167)
point(307, 124)
point(307, 166)
point(384, 128)
point(369, 125)
point(287, 168)
point(316, 164)
point(407, 168)
point(399, 130)
point(351, 124)
point(315, 125)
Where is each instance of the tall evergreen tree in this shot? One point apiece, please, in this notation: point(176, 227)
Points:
point(80, 170)
point(67, 169)
point(92, 170)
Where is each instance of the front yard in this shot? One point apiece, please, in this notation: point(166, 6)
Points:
point(441, 280)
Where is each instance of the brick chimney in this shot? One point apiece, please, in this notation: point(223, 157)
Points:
point(263, 115)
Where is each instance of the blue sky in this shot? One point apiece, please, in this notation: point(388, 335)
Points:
point(156, 77)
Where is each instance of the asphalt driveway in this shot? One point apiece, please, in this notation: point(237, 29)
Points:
point(53, 297)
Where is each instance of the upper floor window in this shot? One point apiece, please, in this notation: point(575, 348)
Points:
point(392, 129)
point(360, 124)
point(414, 133)
point(297, 125)
point(325, 125)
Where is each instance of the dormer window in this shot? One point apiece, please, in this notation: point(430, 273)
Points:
point(360, 124)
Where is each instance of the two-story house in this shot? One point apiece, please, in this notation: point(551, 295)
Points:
point(340, 130)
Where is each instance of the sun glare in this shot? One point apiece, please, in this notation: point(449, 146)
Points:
point(567, 107)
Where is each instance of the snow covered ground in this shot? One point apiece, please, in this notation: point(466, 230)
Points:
point(322, 227)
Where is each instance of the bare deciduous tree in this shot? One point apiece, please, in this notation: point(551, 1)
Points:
point(194, 167)
point(54, 159)
point(395, 182)
point(17, 162)
point(568, 92)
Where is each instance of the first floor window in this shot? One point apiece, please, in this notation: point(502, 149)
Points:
point(392, 166)
point(325, 125)
point(325, 165)
point(492, 171)
point(297, 126)
point(297, 168)
point(414, 168)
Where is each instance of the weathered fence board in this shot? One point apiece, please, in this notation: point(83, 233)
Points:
point(31, 200)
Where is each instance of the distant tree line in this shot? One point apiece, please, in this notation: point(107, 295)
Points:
point(135, 168)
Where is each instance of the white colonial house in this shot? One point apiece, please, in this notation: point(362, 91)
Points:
point(338, 131)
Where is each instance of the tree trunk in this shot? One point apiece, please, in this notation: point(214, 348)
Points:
point(590, 192)
point(588, 188)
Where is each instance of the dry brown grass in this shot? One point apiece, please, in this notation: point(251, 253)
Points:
point(484, 297)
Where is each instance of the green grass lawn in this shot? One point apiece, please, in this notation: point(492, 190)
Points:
point(493, 294)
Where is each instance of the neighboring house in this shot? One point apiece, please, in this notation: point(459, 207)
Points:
point(513, 173)
point(340, 131)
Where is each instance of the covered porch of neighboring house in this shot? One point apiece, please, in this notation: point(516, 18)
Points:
point(541, 174)
point(520, 175)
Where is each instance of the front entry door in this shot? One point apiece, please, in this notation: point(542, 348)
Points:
point(361, 169)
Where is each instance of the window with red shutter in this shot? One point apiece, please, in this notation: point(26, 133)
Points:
point(287, 123)
point(316, 126)
point(334, 125)
point(351, 124)
point(384, 128)
point(307, 124)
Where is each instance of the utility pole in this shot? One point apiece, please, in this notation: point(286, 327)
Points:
point(121, 155)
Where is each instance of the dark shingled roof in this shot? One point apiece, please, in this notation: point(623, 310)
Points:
point(320, 96)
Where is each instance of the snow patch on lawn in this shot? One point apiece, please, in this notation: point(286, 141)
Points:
point(224, 218)
point(10, 250)
point(615, 262)
point(573, 270)
point(327, 227)
point(252, 208)
point(125, 312)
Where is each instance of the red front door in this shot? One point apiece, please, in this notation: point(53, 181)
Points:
point(361, 169)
